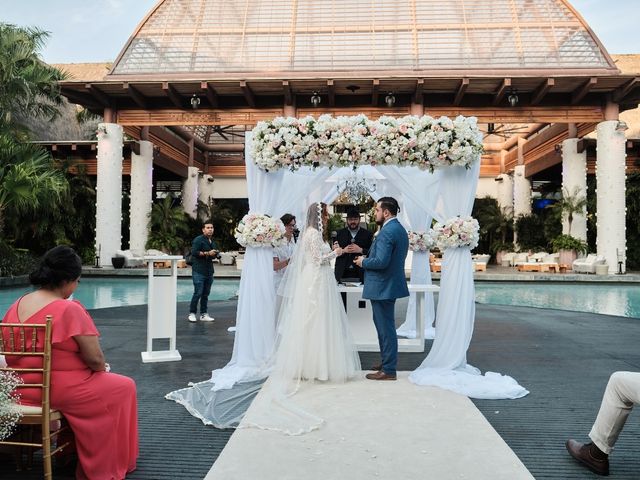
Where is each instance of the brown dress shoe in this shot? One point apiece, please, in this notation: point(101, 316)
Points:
point(380, 376)
point(377, 367)
point(590, 456)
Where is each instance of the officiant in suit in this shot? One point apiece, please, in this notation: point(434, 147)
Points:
point(384, 282)
point(354, 241)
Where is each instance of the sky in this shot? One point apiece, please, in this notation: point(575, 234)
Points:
point(96, 30)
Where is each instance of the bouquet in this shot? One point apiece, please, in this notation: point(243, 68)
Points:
point(421, 241)
point(9, 412)
point(457, 232)
point(256, 230)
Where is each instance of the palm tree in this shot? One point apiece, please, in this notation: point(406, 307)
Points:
point(28, 181)
point(571, 204)
point(28, 86)
point(168, 226)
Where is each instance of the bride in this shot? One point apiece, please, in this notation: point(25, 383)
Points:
point(313, 342)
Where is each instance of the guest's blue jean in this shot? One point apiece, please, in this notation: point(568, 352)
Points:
point(201, 289)
point(384, 320)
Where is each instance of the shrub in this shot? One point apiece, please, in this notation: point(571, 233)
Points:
point(567, 242)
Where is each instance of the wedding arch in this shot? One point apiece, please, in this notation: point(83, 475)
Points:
point(430, 165)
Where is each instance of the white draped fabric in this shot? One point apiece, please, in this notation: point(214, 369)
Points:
point(278, 192)
point(446, 364)
point(271, 193)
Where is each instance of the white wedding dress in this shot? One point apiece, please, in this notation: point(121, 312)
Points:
point(313, 342)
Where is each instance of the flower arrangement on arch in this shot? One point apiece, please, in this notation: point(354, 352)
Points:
point(421, 241)
point(257, 230)
point(426, 142)
point(457, 232)
point(9, 412)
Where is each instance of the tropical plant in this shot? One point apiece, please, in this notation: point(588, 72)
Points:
point(572, 203)
point(27, 85)
point(496, 224)
point(530, 231)
point(168, 226)
point(29, 182)
point(567, 242)
point(633, 226)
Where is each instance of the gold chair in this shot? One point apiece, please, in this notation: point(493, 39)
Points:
point(13, 342)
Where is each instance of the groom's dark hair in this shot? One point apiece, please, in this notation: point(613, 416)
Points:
point(389, 203)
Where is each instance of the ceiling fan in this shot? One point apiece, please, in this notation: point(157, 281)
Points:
point(504, 130)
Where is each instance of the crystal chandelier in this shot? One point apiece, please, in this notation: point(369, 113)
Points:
point(356, 188)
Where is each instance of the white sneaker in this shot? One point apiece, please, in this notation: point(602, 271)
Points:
point(206, 318)
point(192, 317)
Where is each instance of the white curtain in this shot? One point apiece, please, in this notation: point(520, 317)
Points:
point(446, 364)
point(272, 193)
point(417, 191)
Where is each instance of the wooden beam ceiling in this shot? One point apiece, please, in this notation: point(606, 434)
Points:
point(464, 85)
point(286, 89)
point(137, 97)
point(248, 94)
point(624, 90)
point(171, 92)
point(502, 91)
point(375, 92)
point(98, 94)
point(542, 90)
point(582, 92)
point(209, 91)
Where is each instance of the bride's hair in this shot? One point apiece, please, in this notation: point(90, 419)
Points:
point(316, 215)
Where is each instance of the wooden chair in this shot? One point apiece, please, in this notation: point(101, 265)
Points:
point(13, 342)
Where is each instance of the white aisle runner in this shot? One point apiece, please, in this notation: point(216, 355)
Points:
point(387, 430)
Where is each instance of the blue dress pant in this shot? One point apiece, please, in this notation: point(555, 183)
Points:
point(384, 320)
point(201, 289)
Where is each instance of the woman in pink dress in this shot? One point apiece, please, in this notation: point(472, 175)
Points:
point(100, 406)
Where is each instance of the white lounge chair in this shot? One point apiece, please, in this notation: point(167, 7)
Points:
point(507, 259)
point(538, 256)
point(520, 258)
point(132, 258)
point(588, 264)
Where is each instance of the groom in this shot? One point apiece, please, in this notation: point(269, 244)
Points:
point(384, 281)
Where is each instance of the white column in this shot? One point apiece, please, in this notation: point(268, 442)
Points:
point(610, 194)
point(141, 191)
point(574, 179)
point(521, 192)
point(505, 191)
point(190, 192)
point(109, 192)
point(205, 188)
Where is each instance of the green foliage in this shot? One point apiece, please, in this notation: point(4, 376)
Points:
point(225, 214)
point(496, 225)
point(336, 222)
point(572, 203)
point(530, 231)
point(14, 262)
point(567, 242)
point(633, 226)
point(168, 226)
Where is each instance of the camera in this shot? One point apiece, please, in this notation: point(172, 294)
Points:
point(296, 233)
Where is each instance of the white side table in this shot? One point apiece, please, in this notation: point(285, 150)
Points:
point(602, 269)
point(161, 309)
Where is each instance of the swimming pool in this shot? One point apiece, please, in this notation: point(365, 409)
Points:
point(116, 292)
point(611, 299)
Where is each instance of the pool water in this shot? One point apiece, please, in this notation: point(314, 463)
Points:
point(116, 292)
point(610, 299)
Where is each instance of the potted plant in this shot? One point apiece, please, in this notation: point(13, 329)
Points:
point(568, 247)
point(571, 204)
point(499, 248)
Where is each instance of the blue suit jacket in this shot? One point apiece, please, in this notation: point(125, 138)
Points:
point(384, 277)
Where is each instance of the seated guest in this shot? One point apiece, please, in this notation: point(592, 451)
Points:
point(354, 241)
point(100, 406)
point(621, 394)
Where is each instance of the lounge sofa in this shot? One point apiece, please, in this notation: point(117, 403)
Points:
point(588, 264)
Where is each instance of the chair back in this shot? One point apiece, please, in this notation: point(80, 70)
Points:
point(21, 342)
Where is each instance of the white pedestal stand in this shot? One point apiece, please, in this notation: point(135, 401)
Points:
point(161, 310)
point(361, 319)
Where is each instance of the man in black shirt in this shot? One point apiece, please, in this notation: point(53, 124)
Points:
point(203, 251)
point(354, 241)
